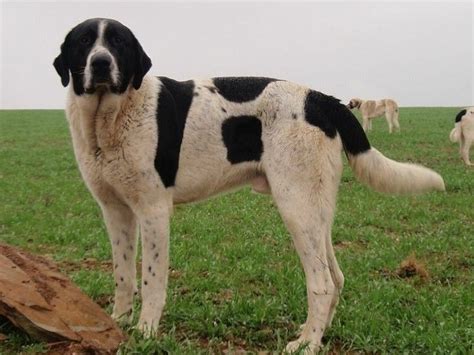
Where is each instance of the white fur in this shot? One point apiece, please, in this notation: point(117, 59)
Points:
point(389, 176)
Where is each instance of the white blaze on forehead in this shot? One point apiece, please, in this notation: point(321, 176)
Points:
point(100, 47)
point(100, 37)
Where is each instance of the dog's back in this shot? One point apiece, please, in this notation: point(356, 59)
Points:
point(376, 108)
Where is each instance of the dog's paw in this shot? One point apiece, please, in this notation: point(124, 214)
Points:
point(123, 306)
point(123, 318)
point(302, 346)
point(147, 328)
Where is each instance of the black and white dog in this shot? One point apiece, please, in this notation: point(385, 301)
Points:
point(145, 143)
point(463, 132)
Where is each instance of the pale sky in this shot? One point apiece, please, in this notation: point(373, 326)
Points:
point(419, 53)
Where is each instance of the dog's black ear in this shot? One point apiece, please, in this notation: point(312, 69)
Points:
point(460, 115)
point(61, 65)
point(142, 65)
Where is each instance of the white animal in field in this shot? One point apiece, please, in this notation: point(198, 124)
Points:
point(463, 132)
point(371, 109)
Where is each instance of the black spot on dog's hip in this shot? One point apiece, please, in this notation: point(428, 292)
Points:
point(332, 117)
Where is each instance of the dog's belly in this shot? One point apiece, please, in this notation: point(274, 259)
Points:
point(379, 109)
point(199, 180)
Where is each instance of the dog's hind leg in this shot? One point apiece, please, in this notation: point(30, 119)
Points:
point(337, 277)
point(389, 119)
point(464, 149)
point(304, 178)
point(396, 123)
point(309, 225)
point(122, 230)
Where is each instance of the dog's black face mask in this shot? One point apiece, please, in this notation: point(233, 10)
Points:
point(101, 53)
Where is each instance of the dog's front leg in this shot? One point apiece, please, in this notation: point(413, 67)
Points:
point(365, 123)
point(122, 229)
point(154, 229)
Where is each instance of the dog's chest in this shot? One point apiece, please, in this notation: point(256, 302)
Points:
point(112, 145)
point(97, 164)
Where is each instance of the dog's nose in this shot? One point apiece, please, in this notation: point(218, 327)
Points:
point(101, 64)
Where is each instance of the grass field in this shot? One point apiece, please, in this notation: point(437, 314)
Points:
point(235, 281)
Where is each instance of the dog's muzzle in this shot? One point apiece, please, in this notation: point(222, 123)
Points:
point(101, 68)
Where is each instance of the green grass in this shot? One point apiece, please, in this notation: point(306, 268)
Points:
point(236, 281)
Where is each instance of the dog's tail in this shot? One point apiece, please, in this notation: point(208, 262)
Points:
point(455, 134)
point(389, 176)
point(369, 165)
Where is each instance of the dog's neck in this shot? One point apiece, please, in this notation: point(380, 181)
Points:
point(96, 118)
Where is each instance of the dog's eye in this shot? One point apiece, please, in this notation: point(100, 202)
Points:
point(85, 40)
point(117, 39)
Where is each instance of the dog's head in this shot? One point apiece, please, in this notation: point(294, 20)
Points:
point(101, 54)
point(354, 103)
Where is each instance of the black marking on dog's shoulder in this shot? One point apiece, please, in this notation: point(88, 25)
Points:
point(174, 102)
point(460, 115)
point(242, 136)
point(241, 89)
point(328, 114)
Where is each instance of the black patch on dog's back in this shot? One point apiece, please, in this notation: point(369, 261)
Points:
point(174, 102)
point(241, 89)
point(460, 115)
point(328, 114)
point(242, 136)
